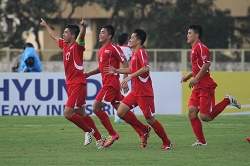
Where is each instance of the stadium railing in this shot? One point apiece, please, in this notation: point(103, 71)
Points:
point(160, 59)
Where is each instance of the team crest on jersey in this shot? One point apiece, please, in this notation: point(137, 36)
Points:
point(107, 51)
point(192, 51)
point(204, 57)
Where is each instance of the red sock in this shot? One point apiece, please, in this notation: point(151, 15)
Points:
point(77, 120)
point(219, 108)
point(197, 128)
point(91, 124)
point(159, 130)
point(105, 121)
point(131, 119)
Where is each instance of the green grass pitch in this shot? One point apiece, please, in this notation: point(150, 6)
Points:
point(38, 141)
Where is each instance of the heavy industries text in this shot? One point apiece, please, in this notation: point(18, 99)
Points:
point(38, 97)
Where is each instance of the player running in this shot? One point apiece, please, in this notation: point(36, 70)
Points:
point(75, 79)
point(202, 98)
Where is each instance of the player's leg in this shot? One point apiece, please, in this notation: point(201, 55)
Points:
point(73, 103)
point(81, 100)
point(159, 130)
point(100, 139)
point(196, 125)
point(76, 119)
point(105, 95)
point(207, 102)
point(129, 115)
point(147, 106)
point(195, 122)
point(104, 118)
point(89, 134)
point(229, 99)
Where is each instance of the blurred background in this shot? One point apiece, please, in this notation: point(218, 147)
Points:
point(226, 30)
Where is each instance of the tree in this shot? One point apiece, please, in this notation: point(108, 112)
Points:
point(165, 22)
point(24, 16)
point(71, 4)
point(244, 29)
point(127, 15)
point(172, 22)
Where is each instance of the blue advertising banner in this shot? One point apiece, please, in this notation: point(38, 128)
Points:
point(44, 94)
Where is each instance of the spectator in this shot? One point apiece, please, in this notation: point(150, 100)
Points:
point(30, 61)
point(124, 45)
point(17, 62)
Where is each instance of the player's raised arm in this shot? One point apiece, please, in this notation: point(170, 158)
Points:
point(51, 32)
point(82, 33)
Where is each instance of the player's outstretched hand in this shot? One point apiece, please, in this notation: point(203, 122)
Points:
point(43, 23)
point(83, 22)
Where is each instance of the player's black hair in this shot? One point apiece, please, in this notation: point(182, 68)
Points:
point(122, 38)
point(197, 29)
point(27, 45)
point(74, 29)
point(141, 34)
point(110, 29)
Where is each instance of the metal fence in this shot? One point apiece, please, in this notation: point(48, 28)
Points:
point(160, 59)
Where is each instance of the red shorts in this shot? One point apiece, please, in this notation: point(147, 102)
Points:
point(109, 95)
point(203, 99)
point(76, 95)
point(145, 103)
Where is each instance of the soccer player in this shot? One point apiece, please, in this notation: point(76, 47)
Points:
point(112, 55)
point(75, 79)
point(202, 98)
point(123, 44)
point(142, 94)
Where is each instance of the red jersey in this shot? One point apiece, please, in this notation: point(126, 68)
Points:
point(141, 85)
point(110, 55)
point(73, 62)
point(200, 55)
